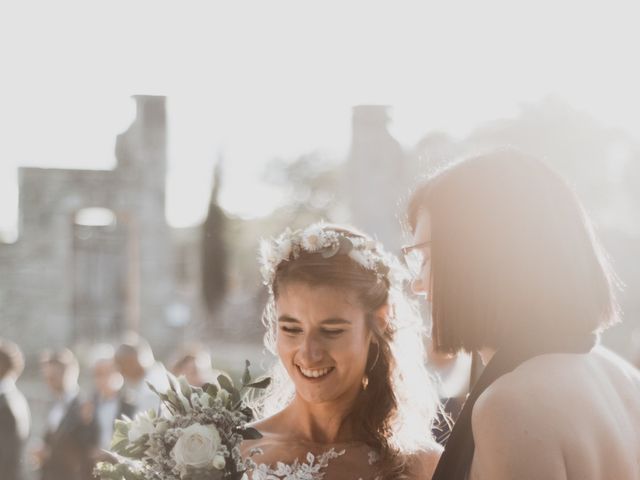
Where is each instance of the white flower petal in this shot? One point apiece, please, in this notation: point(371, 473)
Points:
point(197, 446)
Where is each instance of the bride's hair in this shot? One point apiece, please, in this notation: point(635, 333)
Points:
point(395, 413)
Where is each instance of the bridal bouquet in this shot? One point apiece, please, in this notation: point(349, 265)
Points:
point(196, 436)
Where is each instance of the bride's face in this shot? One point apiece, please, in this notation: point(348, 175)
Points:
point(323, 341)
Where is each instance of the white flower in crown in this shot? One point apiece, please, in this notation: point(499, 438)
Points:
point(361, 257)
point(267, 251)
point(269, 260)
point(314, 238)
point(267, 273)
point(284, 246)
point(357, 242)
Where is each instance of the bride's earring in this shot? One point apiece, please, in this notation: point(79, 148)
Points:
point(377, 344)
point(365, 377)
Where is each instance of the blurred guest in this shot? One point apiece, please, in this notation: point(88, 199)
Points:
point(71, 435)
point(194, 362)
point(15, 418)
point(109, 401)
point(135, 361)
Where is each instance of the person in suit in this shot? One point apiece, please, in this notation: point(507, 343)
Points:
point(135, 361)
point(71, 434)
point(15, 417)
point(194, 363)
point(108, 401)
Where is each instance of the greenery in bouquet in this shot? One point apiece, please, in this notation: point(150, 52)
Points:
point(194, 435)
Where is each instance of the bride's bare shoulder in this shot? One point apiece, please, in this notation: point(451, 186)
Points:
point(423, 463)
point(270, 429)
point(275, 426)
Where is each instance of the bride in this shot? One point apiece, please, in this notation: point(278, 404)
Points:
point(351, 398)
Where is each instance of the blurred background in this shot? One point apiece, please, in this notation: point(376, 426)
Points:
point(146, 147)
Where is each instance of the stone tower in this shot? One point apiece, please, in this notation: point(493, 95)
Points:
point(376, 175)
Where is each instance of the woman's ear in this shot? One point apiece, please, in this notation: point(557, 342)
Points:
point(381, 318)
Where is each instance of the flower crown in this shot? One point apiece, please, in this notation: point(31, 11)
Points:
point(328, 243)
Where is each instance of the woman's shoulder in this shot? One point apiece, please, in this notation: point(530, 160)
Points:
point(270, 435)
point(554, 378)
point(547, 401)
point(525, 404)
point(423, 463)
point(512, 417)
point(547, 378)
point(613, 361)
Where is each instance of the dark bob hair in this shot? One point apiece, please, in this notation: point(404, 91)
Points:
point(513, 255)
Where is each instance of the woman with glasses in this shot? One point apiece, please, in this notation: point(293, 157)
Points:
point(511, 268)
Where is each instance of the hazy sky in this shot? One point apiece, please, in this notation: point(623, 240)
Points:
point(255, 80)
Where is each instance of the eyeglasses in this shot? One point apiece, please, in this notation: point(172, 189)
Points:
point(415, 257)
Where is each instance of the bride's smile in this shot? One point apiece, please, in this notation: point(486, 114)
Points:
point(316, 373)
point(322, 341)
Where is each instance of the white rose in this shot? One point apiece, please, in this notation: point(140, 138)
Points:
point(197, 446)
point(141, 425)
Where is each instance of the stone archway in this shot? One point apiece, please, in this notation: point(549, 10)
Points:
point(100, 269)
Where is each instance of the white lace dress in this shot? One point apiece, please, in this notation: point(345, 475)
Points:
point(353, 461)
